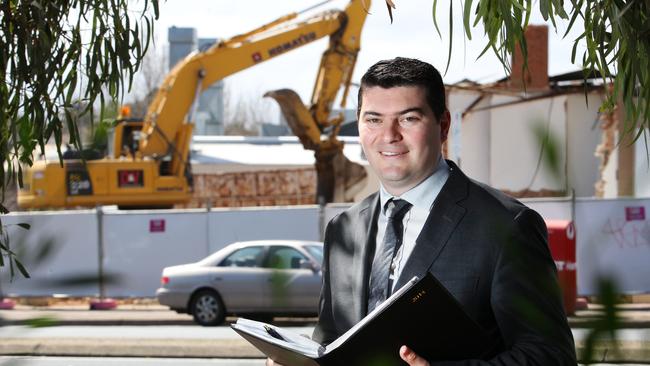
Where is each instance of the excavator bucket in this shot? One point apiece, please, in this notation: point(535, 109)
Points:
point(339, 179)
point(298, 117)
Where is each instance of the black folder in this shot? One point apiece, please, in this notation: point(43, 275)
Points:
point(422, 315)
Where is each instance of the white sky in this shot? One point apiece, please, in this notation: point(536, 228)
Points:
point(412, 34)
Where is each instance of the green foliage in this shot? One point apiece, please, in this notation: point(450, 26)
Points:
point(99, 131)
point(100, 135)
point(54, 54)
point(606, 324)
point(42, 322)
point(9, 253)
point(550, 151)
point(616, 35)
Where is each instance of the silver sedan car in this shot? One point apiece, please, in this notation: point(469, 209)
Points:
point(267, 278)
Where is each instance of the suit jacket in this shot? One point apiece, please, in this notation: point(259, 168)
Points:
point(488, 249)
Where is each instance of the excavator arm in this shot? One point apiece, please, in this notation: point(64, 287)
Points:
point(181, 87)
point(149, 168)
point(163, 126)
point(336, 174)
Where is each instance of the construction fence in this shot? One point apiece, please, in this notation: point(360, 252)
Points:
point(63, 249)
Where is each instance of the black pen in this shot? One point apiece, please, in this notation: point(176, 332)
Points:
point(273, 333)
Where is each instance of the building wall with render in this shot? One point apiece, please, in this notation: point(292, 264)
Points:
point(499, 145)
point(583, 136)
point(474, 135)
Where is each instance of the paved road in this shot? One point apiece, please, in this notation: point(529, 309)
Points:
point(206, 342)
point(635, 335)
point(123, 361)
point(153, 331)
point(130, 331)
point(128, 341)
point(204, 333)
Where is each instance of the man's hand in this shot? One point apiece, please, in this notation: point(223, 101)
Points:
point(410, 357)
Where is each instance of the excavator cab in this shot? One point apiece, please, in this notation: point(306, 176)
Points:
point(126, 138)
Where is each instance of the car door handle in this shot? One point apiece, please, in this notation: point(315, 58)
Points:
point(217, 279)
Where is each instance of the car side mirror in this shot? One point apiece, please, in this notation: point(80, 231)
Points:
point(307, 264)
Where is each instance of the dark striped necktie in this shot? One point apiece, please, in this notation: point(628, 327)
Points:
point(380, 282)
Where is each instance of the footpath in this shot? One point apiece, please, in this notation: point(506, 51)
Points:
point(634, 318)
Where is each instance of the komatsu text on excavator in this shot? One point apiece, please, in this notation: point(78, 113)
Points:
point(148, 165)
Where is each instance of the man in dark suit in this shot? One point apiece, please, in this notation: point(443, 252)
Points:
point(489, 250)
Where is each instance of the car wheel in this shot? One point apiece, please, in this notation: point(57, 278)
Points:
point(207, 308)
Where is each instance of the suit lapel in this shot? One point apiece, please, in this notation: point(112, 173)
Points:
point(364, 245)
point(444, 217)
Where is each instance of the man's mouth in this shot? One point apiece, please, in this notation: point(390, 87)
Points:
point(391, 153)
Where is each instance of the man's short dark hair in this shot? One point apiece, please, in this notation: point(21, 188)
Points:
point(402, 71)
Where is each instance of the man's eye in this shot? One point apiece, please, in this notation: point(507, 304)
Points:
point(410, 119)
point(373, 120)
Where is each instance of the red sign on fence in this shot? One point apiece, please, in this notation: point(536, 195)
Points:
point(157, 226)
point(635, 213)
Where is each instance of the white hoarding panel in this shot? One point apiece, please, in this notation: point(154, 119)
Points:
point(59, 251)
point(334, 209)
point(228, 226)
point(551, 209)
point(613, 239)
point(137, 246)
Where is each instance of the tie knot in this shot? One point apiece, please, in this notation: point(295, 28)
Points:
point(397, 208)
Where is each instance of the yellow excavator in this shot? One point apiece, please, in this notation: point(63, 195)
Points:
point(148, 165)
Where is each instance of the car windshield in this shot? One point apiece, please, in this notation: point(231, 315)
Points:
point(316, 251)
point(211, 259)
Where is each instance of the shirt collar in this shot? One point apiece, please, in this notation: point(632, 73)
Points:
point(422, 195)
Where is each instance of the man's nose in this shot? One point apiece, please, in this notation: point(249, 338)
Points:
point(391, 132)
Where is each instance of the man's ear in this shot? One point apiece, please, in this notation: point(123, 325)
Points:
point(445, 122)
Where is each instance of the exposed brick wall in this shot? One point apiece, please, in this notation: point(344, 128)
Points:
point(536, 77)
point(261, 188)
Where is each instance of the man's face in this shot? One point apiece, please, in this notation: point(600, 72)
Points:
point(400, 135)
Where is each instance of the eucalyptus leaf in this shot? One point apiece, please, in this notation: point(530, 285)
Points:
point(616, 42)
point(435, 18)
point(451, 33)
point(21, 268)
point(466, 15)
point(48, 67)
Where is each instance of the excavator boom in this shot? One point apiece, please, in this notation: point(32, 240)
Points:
point(201, 69)
point(149, 165)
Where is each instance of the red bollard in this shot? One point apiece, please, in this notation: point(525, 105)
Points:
point(7, 304)
point(103, 304)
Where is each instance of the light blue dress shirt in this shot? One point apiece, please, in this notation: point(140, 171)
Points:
point(421, 197)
